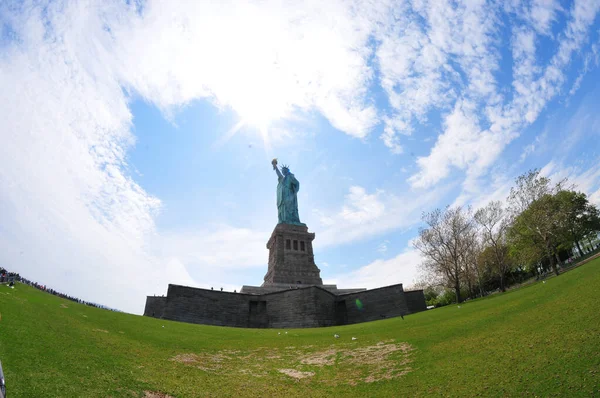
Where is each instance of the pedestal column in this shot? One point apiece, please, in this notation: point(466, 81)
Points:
point(291, 258)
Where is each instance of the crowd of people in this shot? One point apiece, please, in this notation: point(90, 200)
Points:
point(9, 277)
point(12, 277)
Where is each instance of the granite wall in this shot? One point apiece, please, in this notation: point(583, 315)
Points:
point(375, 304)
point(301, 308)
point(415, 300)
point(155, 306)
point(208, 307)
point(310, 306)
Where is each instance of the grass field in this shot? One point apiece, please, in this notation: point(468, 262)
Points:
point(542, 340)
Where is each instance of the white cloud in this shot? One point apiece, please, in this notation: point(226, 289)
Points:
point(548, 169)
point(527, 150)
point(360, 207)
point(542, 14)
point(401, 269)
point(219, 247)
point(459, 146)
point(425, 66)
point(525, 68)
point(262, 59)
point(587, 181)
point(366, 214)
point(481, 146)
point(591, 60)
point(497, 187)
point(531, 148)
point(584, 180)
point(484, 190)
point(72, 216)
point(594, 197)
point(393, 127)
point(383, 246)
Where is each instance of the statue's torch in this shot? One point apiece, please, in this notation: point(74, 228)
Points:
point(274, 163)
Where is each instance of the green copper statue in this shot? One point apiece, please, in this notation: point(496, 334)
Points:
point(287, 199)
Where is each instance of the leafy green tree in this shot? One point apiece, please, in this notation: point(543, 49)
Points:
point(537, 219)
point(524, 250)
point(581, 218)
point(540, 226)
point(488, 260)
point(446, 298)
point(431, 295)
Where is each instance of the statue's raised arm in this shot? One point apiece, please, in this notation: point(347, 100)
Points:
point(274, 163)
point(287, 200)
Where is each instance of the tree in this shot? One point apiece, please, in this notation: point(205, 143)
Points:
point(581, 218)
point(444, 244)
point(541, 226)
point(537, 217)
point(528, 188)
point(474, 273)
point(493, 225)
point(524, 250)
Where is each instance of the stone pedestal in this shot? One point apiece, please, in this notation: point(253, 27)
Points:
point(291, 258)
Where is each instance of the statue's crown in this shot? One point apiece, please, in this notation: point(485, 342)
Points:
point(285, 166)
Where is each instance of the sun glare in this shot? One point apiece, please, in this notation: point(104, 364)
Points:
point(259, 110)
point(258, 117)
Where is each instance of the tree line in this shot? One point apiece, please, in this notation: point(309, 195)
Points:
point(469, 253)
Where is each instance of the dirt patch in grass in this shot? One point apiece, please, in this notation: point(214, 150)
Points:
point(207, 363)
point(185, 358)
point(296, 374)
point(375, 354)
point(383, 361)
point(100, 330)
point(340, 364)
point(252, 372)
point(64, 306)
point(321, 358)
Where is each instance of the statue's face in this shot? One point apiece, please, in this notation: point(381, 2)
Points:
point(285, 171)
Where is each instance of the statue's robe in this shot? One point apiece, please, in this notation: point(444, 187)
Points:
point(287, 200)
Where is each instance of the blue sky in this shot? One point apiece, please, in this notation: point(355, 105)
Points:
point(136, 141)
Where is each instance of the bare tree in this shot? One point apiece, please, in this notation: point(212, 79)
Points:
point(444, 243)
point(528, 188)
point(474, 268)
point(493, 225)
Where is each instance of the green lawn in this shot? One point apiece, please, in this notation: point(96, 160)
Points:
point(542, 340)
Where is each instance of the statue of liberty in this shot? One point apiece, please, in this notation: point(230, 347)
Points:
point(287, 199)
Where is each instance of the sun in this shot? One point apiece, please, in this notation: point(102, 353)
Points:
point(259, 111)
point(265, 98)
point(257, 114)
